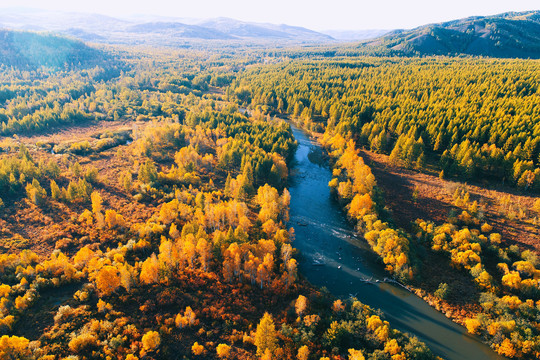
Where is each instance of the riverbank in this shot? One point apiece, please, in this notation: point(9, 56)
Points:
point(458, 309)
point(322, 232)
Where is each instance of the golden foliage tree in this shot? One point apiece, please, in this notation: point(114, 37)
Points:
point(197, 349)
point(14, 347)
point(303, 353)
point(150, 270)
point(151, 341)
point(223, 351)
point(356, 355)
point(108, 280)
point(97, 202)
point(300, 305)
point(266, 336)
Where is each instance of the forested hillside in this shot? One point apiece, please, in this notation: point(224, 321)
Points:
point(508, 35)
point(31, 51)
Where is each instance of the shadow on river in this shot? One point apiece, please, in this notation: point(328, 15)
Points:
point(324, 235)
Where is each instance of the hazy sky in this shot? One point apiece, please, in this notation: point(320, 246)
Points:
point(314, 14)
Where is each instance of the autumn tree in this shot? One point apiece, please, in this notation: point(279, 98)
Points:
point(300, 305)
point(286, 252)
point(188, 319)
point(197, 349)
point(291, 271)
point(303, 353)
point(268, 199)
point(151, 341)
point(150, 270)
point(108, 280)
point(204, 250)
point(14, 347)
point(97, 202)
point(264, 270)
point(223, 351)
point(265, 336)
point(356, 355)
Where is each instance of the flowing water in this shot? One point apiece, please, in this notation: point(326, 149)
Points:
point(332, 256)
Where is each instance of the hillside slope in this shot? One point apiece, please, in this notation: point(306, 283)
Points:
point(28, 50)
point(508, 35)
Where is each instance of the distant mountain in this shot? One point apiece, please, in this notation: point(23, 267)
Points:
point(241, 29)
point(177, 29)
point(29, 51)
point(355, 35)
point(35, 19)
point(82, 35)
point(508, 35)
point(153, 30)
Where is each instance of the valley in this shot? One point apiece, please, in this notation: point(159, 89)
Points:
point(223, 189)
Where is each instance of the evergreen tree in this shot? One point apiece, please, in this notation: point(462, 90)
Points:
point(148, 172)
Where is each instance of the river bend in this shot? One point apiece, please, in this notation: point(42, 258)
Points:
point(324, 236)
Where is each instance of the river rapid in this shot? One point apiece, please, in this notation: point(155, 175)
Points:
point(332, 256)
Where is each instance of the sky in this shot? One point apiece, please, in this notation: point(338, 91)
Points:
point(313, 14)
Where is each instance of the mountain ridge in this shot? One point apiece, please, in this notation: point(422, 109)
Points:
point(168, 31)
point(506, 35)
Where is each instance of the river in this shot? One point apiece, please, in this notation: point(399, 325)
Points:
point(324, 235)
